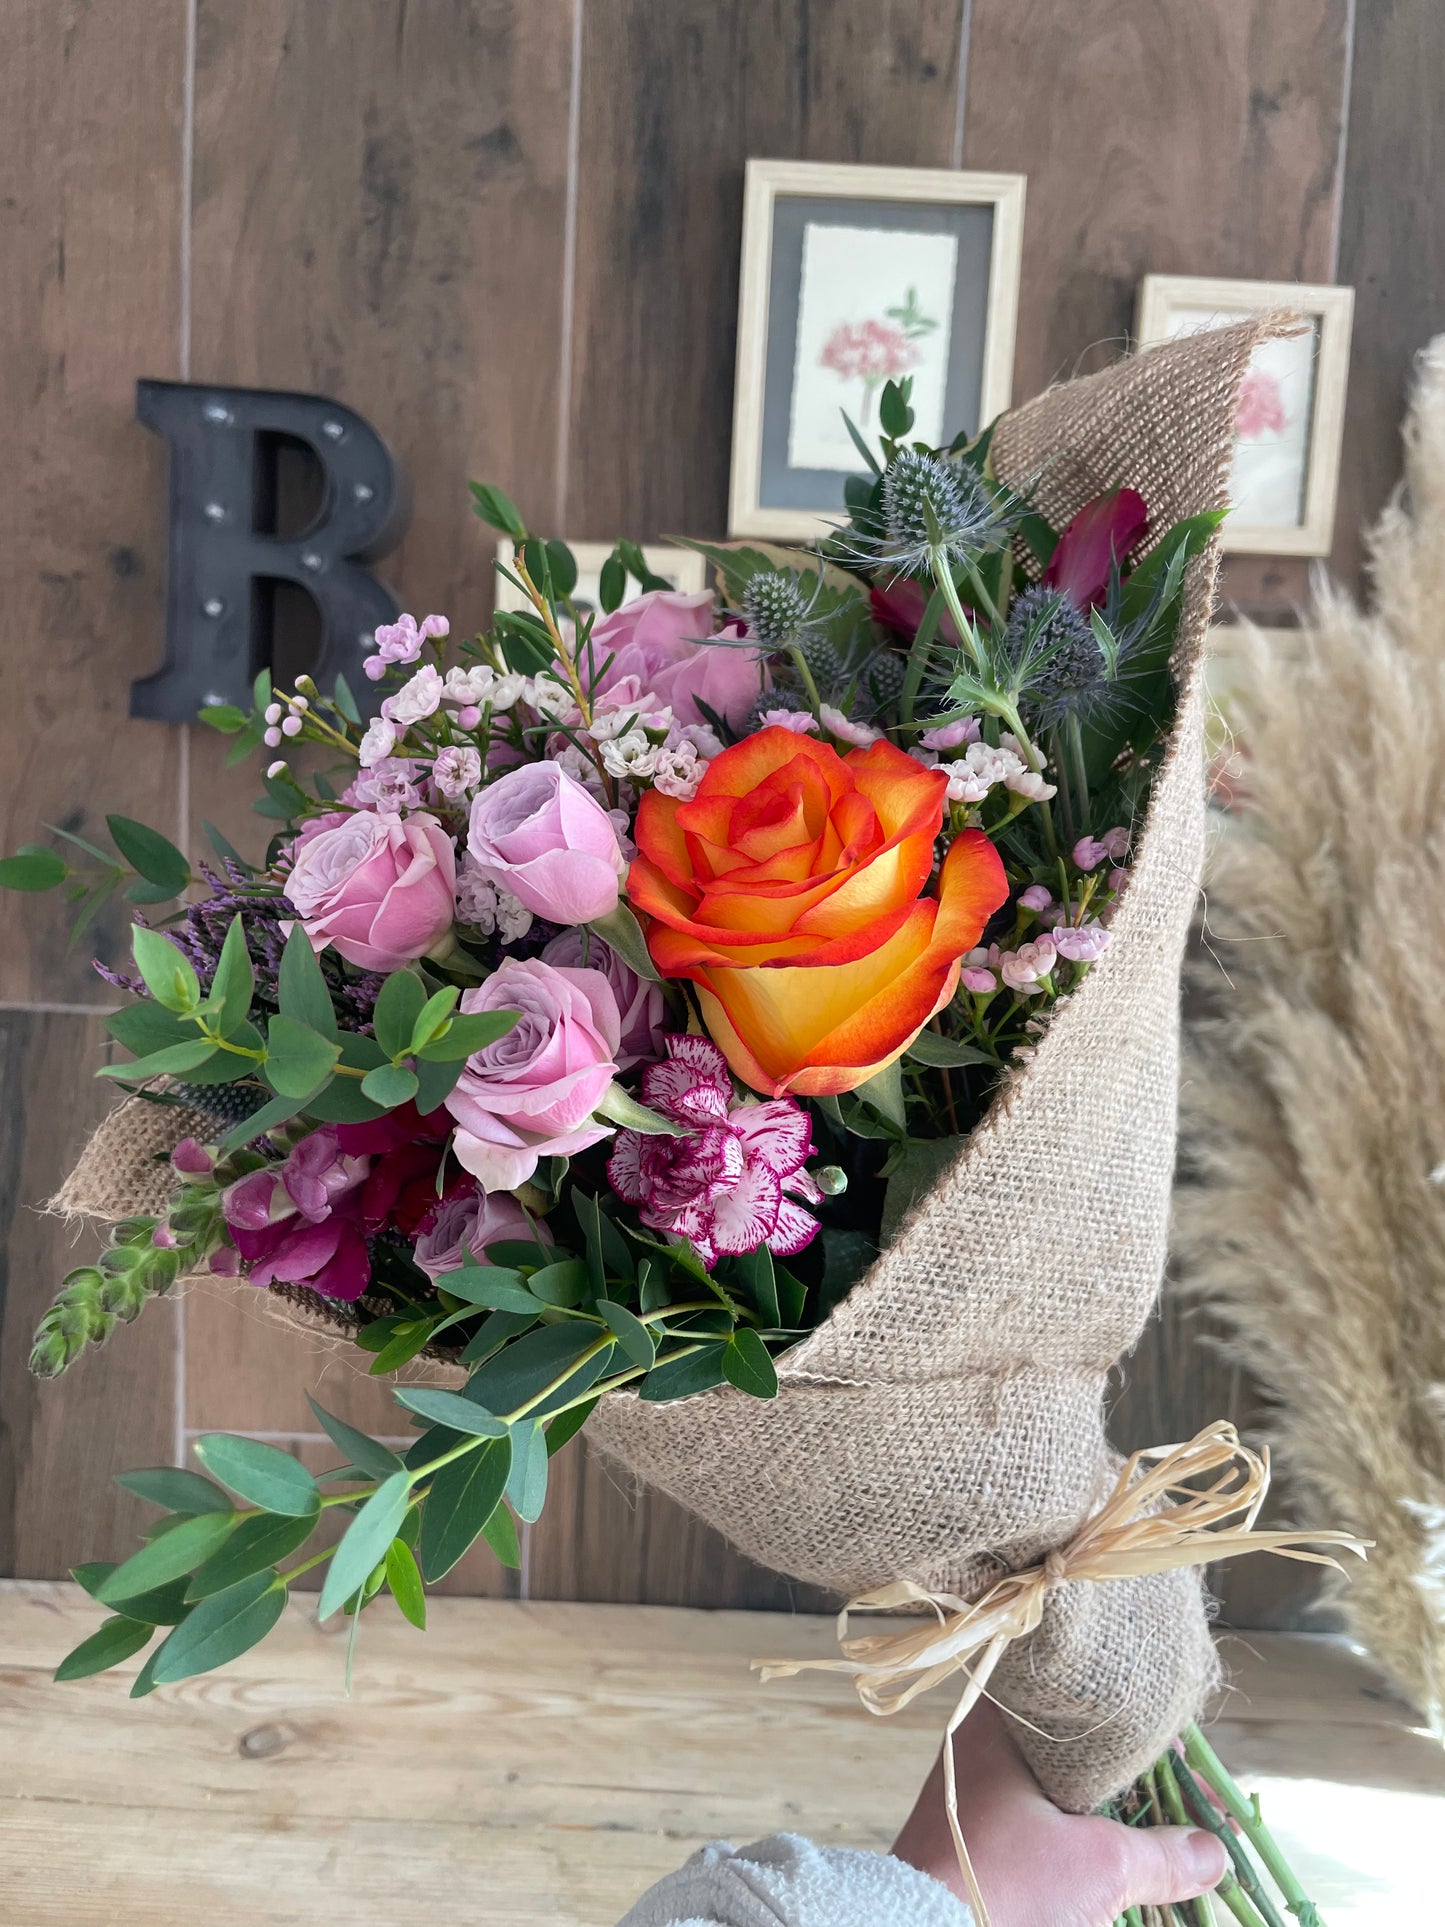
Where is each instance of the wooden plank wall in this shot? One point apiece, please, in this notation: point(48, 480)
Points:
point(508, 232)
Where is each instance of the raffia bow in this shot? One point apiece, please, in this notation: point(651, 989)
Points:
point(1153, 1521)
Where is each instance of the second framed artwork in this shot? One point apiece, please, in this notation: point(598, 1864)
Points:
point(1291, 418)
point(851, 277)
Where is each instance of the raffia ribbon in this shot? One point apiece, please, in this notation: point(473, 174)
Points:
point(1153, 1521)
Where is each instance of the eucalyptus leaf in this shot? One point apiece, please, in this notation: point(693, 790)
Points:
point(460, 1499)
point(178, 1551)
point(166, 973)
point(262, 1474)
point(220, 1628)
point(500, 1533)
point(916, 1169)
point(367, 1454)
point(564, 1283)
point(527, 1479)
point(365, 1542)
point(747, 1365)
point(33, 868)
point(489, 1285)
point(631, 1334)
point(944, 1053)
point(404, 1579)
point(451, 1409)
point(390, 1085)
point(258, 1543)
point(568, 1424)
point(174, 1061)
point(176, 1489)
point(400, 1003)
point(297, 1057)
point(472, 1031)
point(524, 1370)
point(302, 992)
point(234, 983)
point(149, 853)
point(683, 1375)
point(116, 1640)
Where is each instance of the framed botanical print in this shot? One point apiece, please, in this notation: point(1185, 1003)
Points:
point(1291, 408)
point(851, 277)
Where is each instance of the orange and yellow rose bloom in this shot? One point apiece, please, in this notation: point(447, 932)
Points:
point(790, 892)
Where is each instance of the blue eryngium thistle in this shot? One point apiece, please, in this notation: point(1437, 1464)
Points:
point(936, 512)
point(777, 607)
point(1053, 657)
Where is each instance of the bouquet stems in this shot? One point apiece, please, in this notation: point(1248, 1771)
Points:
point(1261, 1887)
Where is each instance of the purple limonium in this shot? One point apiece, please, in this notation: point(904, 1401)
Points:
point(729, 1185)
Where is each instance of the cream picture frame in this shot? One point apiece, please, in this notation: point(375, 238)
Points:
point(1171, 304)
point(968, 368)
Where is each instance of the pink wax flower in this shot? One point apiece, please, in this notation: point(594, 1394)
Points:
point(463, 1226)
point(965, 730)
point(1089, 853)
point(845, 729)
point(980, 981)
point(532, 1094)
point(417, 699)
point(1036, 897)
point(389, 786)
point(300, 1222)
point(662, 638)
point(538, 832)
point(641, 1004)
point(381, 890)
point(1027, 969)
point(457, 770)
point(725, 1185)
point(802, 722)
point(1084, 945)
point(401, 641)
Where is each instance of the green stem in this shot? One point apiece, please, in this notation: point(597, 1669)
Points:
point(1211, 1769)
point(1203, 1814)
point(986, 601)
point(1081, 776)
point(807, 676)
point(943, 576)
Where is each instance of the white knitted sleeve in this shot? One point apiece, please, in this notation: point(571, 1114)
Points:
point(786, 1881)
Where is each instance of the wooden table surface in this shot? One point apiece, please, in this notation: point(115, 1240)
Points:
point(526, 1763)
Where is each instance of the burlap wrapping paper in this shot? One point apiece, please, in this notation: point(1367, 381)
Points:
point(946, 1423)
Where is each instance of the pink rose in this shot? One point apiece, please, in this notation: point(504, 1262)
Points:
point(462, 1227)
point(379, 889)
point(538, 832)
point(640, 1001)
point(531, 1094)
point(661, 638)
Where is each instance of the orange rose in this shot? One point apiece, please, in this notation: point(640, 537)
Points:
point(789, 891)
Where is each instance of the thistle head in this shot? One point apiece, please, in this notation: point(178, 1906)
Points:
point(777, 607)
point(933, 507)
point(1054, 656)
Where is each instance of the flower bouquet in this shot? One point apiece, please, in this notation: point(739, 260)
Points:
point(743, 1021)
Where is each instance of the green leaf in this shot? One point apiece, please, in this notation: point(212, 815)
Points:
point(172, 1062)
point(607, 1249)
point(262, 1474)
point(367, 1454)
point(147, 1027)
point(747, 1365)
point(451, 1409)
point(259, 1542)
point(564, 1283)
point(858, 442)
point(302, 992)
point(489, 1285)
point(611, 584)
point(365, 1541)
point(631, 1334)
point(562, 565)
point(621, 932)
point(115, 1641)
point(340, 1100)
point(756, 1270)
point(883, 1093)
point(33, 868)
point(168, 975)
point(652, 1292)
point(276, 1111)
point(404, 1579)
point(297, 1057)
point(432, 1015)
point(527, 1480)
point(178, 1551)
point(175, 1489)
point(225, 717)
point(792, 1298)
point(620, 1107)
point(524, 1369)
point(460, 1499)
point(683, 1376)
point(411, 1336)
point(344, 700)
point(397, 1008)
point(162, 1606)
point(498, 510)
point(389, 1085)
point(234, 983)
point(944, 1053)
point(145, 1680)
point(500, 1533)
point(154, 856)
point(460, 1036)
point(221, 1628)
point(436, 1082)
point(895, 417)
point(568, 1424)
point(496, 1331)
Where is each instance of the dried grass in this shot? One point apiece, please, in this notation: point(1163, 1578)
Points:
point(1313, 1219)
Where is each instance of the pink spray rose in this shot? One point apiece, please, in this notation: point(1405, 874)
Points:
point(379, 889)
point(532, 1093)
point(661, 639)
point(463, 1226)
point(538, 832)
point(640, 1001)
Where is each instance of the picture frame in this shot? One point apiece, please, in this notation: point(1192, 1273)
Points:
point(681, 568)
point(851, 275)
point(1292, 411)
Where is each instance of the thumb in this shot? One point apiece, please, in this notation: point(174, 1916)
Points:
point(1164, 1864)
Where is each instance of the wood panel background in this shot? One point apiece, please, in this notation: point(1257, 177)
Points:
point(507, 231)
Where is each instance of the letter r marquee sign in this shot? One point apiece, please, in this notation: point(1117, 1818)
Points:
point(221, 441)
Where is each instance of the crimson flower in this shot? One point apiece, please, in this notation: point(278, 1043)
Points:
point(1102, 533)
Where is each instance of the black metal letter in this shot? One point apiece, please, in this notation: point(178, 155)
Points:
point(222, 443)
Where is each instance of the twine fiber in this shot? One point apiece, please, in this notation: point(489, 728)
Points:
point(945, 1425)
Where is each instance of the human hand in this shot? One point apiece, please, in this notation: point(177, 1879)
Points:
point(1036, 1866)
